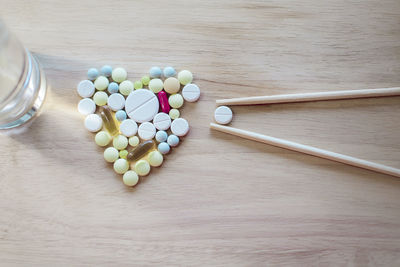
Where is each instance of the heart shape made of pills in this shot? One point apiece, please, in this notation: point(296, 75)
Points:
point(136, 122)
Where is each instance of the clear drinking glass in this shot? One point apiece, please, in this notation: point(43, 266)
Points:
point(22, 82)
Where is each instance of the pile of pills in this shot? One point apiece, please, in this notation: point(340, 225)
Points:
point(136, 122)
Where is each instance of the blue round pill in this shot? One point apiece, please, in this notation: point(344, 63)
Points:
point(169, 72)
point(106, 70)
point(92, 74)
point(163, 148)
point(173, 140)
point(161, 136)
point(155, 72)
point(120, 115)
point(113, 88)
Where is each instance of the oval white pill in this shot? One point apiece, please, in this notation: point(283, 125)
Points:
point(147, 131)
point(86, 106)
point(162, 121)
point(141, 105)
point(85, 88)
point(191, 92)
point(128, 127)
point(116, 101)
point(93, 122)
point(223, 115)
point(179, 127)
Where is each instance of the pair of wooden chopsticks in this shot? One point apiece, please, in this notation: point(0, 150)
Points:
point(288, 98)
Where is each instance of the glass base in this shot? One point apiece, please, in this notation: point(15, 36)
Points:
point(36, 77)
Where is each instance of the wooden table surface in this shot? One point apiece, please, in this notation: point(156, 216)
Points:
point(217, 200)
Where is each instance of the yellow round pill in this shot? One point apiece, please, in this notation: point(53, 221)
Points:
point(100, 98)
point(111, 154)
point(120, 142)
point(123, 154)
point(126, 87)
point(155, 158)
point(138, 85)
point(172, 85)
point(130, 178)
point(102, 138)
point(101, 83)
point(133, 141)
point(174, 113)
point(185, 77)
point(142, 167)
point(119, 75)
point(121, 166)
point(175, 100)
point(156, 85)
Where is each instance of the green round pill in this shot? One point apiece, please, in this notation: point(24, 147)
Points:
point(101, 83)
point(123, 154)
point(185, 77)
point(133, 141)
point(130, 178)
point(121, 166)
point(174, 113)
point(119, 75)
point(156, 85)
point(142, 167)
point(111, 154)
point(145, 80)
point(138, 85)
point(120, 142)
point(155, 158)
point(175, 100)
point(100, 98)
point(126, 87)
point(102, 138)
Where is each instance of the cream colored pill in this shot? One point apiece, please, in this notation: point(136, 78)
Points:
point(93, 122)
point(156, 85)
point(101, 83)
point(179, 127)
point(102, 138)
point(174, 113)
point(128, 127)
point(142, 167)
point(86, 106)
point(133, 141)
point(100, 98)
point(185, 77)
point(86, 88)
point(111, 154)
point(175, 100)
point(116, 101)
point(120, 142)
point(130, 178)
point(141, 105)
point(155, 158)
point(191, 92)
point(146, 131)
point(121, 166)
point(126, 87)
point(162, 121)
point(172, 85)
point(223, 115)
point(119, 75)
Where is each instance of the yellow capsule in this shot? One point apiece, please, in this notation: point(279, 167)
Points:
point(140, 151)
point(108, 120)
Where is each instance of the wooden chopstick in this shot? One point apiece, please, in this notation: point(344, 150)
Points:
point(305, 97)
point(317, 152)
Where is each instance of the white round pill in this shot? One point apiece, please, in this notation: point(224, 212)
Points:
point(116, 101)
point(191, 92)
point(147, 131)
point(85, 88)
point(179, 127)
point(223, 115)
point(141, 105)
point(86, 106)
point(93, 122)
point(162, 121)
point(128, 127)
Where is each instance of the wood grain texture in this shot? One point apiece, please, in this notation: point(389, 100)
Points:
point(218, 200)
